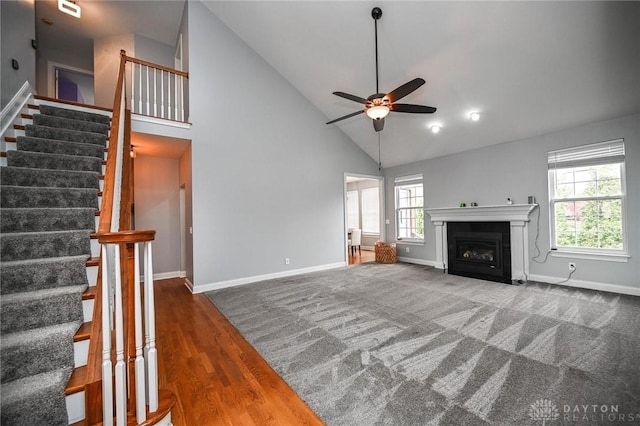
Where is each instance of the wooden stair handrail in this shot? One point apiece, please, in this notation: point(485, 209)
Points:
point(157, 66)
point(126, 238)
point(93, 389)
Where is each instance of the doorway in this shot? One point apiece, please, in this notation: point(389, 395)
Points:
point(363, 211)
point(71, 84)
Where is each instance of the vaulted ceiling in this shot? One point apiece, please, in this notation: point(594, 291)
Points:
point(529, 68)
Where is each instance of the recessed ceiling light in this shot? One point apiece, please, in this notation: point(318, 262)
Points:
point(474, 116)
point(435, 128)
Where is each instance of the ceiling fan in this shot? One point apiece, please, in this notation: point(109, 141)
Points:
point(378, 105)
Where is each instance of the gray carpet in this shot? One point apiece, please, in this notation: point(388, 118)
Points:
point(408, 345)
point(48, 201)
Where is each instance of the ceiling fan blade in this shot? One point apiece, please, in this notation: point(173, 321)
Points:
point(351, 97)
point(415, 109)
point(404, 90)
point(378, 124)
point(353, 114)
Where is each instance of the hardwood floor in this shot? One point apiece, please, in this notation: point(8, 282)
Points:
point(366, 256)
point(217, 377)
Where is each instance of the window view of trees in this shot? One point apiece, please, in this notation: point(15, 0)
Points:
point(587, 203)
point(410, 211)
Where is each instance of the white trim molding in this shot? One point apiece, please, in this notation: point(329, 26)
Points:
point(417, 261)
point(516, 214)
point(11, 111)
point(590, 285)
point(256, 278)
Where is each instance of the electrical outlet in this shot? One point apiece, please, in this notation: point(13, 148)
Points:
point(407, 249)
point(287, 261)
point(572, 266)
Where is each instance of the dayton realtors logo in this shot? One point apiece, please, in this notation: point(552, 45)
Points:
point(545, 410)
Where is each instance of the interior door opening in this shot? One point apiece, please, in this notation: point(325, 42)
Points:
point(75, 86)
point(364, 217)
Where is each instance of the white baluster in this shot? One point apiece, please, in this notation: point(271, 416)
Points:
point(150, 330)
point(148, 92)
point(161, 93)
point(107, 389)
point(169, 96)
point(181, 98)
point(175, 78)
point(141, 413)
point(121, 382)
point(140, 89)
point(155, 92)
point(133, 86)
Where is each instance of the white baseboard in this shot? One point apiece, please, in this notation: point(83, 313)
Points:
point(417, 261)
point(591, 285)
point(167, 275)
point(188, 284)
point(248, 280)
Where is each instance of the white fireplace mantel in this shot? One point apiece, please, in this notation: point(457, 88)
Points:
point(516, 214)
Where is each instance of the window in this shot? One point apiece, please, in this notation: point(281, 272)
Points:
point(353, 210)
point(370, 211)
point(586, 190)
point(409, 208)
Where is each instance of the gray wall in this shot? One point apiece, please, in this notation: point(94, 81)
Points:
point(154, 51)
point(157, 206)
point(17, 31)
point(518, 169)
point(268, 174)
point(106, 60)
point(69, 57)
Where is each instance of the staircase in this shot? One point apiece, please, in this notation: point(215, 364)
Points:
point(50, 189)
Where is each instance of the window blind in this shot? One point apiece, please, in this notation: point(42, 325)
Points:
point(586, 155)
point(406, 180)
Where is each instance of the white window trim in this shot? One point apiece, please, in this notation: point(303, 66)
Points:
point(611, 255)
point(402, 181)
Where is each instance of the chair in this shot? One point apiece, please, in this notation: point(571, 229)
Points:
point(355, 241)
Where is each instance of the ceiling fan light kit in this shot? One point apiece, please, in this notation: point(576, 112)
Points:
point(378, 105)
point(378, 112)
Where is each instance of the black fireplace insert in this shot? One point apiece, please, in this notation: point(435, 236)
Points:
point(480, 250)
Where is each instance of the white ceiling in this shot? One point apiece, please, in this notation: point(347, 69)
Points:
point(529, 68)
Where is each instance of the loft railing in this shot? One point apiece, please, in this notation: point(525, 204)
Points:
point(157, 91)
point(122, 369)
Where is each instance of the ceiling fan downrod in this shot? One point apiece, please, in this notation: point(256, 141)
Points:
point(376, 13)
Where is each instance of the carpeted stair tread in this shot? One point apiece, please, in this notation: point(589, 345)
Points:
point(48, 199)
point(46, 219)
point(69, 123)
point(22, 351)
point(38, 197)
point(68, 135)
point(36, 400)
point(27, 176)
point(52, 146)
point(40, 308)
point(34, 245)
point(74, 114)
point(53, 161)
point(34, 274)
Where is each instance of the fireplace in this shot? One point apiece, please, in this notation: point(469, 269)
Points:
point(480, 250)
